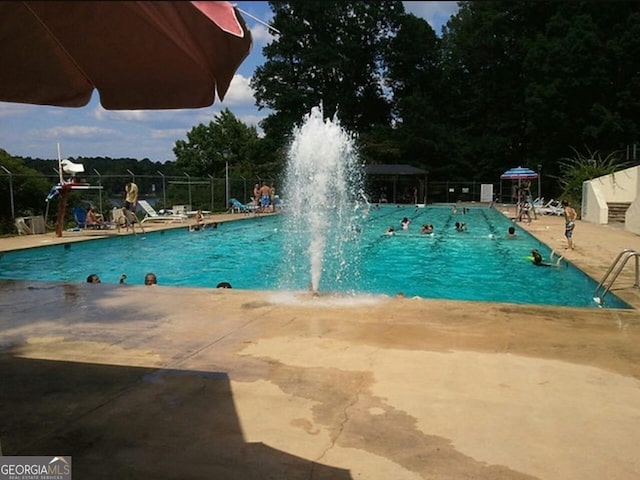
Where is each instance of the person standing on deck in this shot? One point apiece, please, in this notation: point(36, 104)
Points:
point(570, 217)
point(130, 196)
point(265, 197)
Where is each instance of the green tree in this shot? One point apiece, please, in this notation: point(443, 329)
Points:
point(580, 80)
point(329, 53)
point(482, 85)
point(525, 80)
point(26, 187)
point(413, 75)
point(579, 168)
point(209, 147)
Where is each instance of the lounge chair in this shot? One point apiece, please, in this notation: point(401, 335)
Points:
point(235, 206)
point(552, 207)
point(538, 203)
point(22, 227)
point(152, 216)
point(81, 217)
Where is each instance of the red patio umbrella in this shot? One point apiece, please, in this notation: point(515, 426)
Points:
point(138, 55)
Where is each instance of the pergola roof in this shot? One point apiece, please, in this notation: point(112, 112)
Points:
point(393, 169)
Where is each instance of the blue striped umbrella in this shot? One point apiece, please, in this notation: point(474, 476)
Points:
point(518, 173)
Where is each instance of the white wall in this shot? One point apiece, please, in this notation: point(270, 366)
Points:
point(632, 217)
point(622, 186)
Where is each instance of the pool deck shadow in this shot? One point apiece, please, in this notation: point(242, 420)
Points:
point(161, 382)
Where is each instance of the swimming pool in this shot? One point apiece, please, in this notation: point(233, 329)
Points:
point(480, 264)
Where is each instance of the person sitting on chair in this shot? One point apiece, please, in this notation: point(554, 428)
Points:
point(94, 219)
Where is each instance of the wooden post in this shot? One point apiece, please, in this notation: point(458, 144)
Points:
point(62, 207)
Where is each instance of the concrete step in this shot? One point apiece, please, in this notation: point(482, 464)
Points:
point(617, 211)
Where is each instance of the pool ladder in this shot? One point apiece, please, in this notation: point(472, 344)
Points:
point(613, 272)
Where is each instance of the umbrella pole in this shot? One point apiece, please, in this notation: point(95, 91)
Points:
point(518, 194)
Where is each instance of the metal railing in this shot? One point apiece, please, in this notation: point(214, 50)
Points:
point(614, 271)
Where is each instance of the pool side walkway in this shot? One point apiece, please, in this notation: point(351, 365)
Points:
point(179, 383)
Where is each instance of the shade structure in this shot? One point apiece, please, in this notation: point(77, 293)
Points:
point(519, 173)
point(138, 55)
point(395, 171)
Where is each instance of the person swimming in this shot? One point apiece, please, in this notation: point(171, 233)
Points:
point(537, 259)
point(405, 223)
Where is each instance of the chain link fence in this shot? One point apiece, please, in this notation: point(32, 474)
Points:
point(19, 199)
point(210, 193)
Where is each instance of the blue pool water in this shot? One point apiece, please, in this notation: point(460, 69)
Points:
point(481, 264)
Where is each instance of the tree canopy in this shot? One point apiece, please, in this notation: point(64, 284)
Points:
point(507, 83)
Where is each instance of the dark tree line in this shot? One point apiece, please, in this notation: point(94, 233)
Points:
point(507, 84)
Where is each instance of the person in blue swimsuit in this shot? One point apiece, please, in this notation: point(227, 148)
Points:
point(265, 197)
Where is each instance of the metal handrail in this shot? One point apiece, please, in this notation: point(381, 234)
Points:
point(620, 262)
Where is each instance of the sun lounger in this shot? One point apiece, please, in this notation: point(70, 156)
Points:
point(236, 206)
point(80, 216)
point(152, 216)
point(552, 207)
point(22, 227)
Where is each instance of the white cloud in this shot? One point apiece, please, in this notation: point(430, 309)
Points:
point(261, 35)
point(8, 109)
point(169, 133)
point(239, 93)
point(76, 131)
point(99, 113)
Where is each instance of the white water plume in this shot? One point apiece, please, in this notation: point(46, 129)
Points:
point(323, 185)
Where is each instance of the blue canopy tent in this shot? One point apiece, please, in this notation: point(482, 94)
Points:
point(519, 174)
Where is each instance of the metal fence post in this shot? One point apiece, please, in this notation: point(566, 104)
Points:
point(13, 212)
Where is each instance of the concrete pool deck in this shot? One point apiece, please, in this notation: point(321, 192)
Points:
point(160, 382)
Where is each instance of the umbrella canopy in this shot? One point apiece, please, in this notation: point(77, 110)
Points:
point(518, 173)
point(138, 55)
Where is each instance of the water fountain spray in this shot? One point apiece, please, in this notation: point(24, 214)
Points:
point(323, 185)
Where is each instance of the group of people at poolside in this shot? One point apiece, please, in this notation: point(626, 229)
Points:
point(570, 217)
point(264, 198)
point(128, 219)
